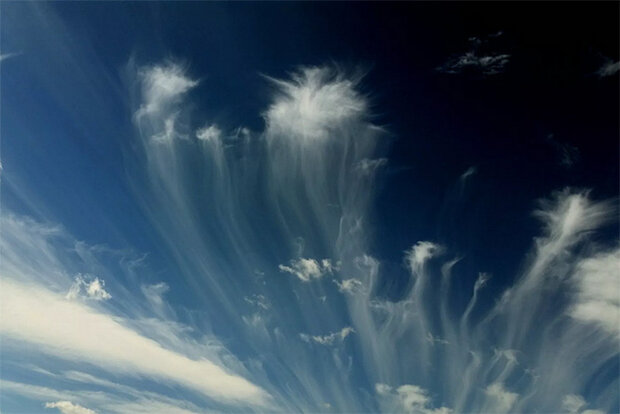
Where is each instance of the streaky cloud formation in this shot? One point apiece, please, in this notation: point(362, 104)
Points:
point(290, 308)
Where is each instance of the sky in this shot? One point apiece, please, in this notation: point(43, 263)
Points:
point(309, 207)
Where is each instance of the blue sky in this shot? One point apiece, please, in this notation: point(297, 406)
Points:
point(300, 207)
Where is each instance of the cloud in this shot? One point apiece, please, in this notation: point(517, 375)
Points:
point(308, 269)
point(6, 56)
point(369, 166)
point(409, 399)
point(609, 68)
point(67, 407)
point(73, 331)
point(259, 301)
point(162, 89)
point(328, 339)
point(88, 287)
point(209, 133)
point(421, 252)
point(350, 286)
point(314, 102)
point(470, 172)
point(477, 61)
point(487, 65)
point(163, 85)
point(573, 403)
point(499, 400)
point(568, 154)
point(598, 297)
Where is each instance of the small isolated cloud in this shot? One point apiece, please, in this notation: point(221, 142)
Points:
point(409, 399)
point(209, 133)
point(330, 339)
point(350, 286)
point(470, 171)
point(477, 60)
point(609, 68)
point(67, 407)
point(88, 287)
point(308, 269)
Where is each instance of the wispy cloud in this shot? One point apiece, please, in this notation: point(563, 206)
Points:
point(5, 56)
point(477, 60)
point(609, 68)
point(568, 154)
point(308, 269)
point(73, 331)
point(328, 339)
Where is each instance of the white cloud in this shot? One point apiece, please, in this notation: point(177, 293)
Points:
point(421, 252)
point(328, 339)
point(409, 399)
point(88, 287)
point(73, 331)
point(369, 166)
point(307, 269)
point(598, 298)
point(316, 101)
point(573, 403)
point(209, 133)
point(350, 286)
point(67, 407)
point(499, 400)
point(259, 301)
point(163, 85)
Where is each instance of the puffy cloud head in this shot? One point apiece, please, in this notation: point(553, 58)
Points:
point(315, 101)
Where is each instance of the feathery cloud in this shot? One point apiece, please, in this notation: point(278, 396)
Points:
point(314, 102)
point(308, 269)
